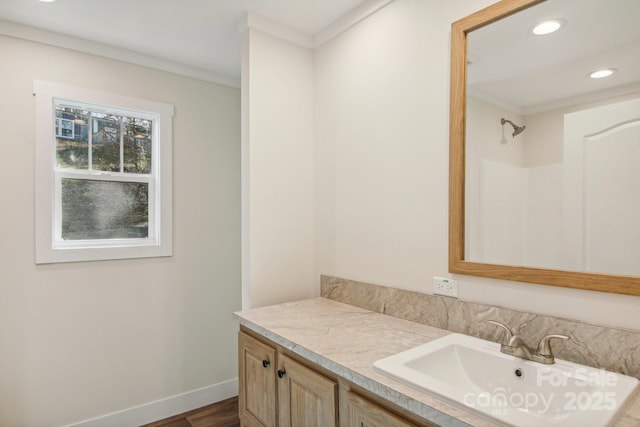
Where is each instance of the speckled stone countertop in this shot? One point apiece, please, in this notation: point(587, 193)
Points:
point(346, 340)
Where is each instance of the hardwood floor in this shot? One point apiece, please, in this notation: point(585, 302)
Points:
point(221, 414)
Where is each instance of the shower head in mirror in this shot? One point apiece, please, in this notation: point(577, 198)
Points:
point(516, 129)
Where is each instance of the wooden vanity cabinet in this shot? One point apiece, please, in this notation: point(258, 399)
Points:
point(276, 390)
point(257, 382)
point(361, 412)
point(305, 397)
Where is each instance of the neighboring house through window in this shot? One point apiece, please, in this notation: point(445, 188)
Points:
point(103, 175)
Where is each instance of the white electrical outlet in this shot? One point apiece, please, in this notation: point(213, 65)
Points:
point(445, 286)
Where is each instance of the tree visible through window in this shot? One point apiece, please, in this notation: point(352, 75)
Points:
point(102, 191)
point(99, 141)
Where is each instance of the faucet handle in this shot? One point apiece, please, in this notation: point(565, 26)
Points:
point(509, 334)
point(544, 348)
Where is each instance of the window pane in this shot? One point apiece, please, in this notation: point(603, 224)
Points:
point(104, 209)
point(137, 145)
point(105, 142)
point(72, 133)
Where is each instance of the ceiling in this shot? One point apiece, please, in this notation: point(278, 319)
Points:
point(199, 33)
point(511, 67)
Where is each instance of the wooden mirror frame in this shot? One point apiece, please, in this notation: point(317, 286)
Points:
point(620, 284)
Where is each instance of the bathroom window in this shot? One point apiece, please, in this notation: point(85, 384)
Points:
point(103, 175)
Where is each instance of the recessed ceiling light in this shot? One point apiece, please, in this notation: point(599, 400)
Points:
point(602, 73)
point(47, 1)
point(548, 27)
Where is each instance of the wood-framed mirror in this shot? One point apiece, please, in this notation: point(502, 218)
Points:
point(562, 251)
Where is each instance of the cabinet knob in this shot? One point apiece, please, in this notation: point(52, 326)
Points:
point(266, 363)
point(281, 373)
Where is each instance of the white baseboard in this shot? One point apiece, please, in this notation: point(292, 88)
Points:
point(165, 408)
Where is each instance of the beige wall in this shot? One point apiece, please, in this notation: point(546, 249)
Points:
point(278, 174)
point(382, 93)
point(80, 340)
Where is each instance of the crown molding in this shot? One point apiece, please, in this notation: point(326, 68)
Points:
point(356, 15)
point(297, 37)
point(275, 29)
point(250, 20)
point(28, 33)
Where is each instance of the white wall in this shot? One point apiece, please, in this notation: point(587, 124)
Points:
point(513, 190)
point(80, 340)
point(491, 145)
point(382, 178)
point(382, 93)
point(500, 238)
point(278, 171)
point(543, 221)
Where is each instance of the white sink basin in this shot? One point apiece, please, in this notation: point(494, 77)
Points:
point(472, 372)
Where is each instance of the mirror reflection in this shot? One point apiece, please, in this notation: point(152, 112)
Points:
point(552, 153)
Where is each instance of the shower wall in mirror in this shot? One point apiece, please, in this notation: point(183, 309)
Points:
point(562, 193)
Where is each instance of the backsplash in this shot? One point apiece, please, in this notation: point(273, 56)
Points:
point(613, 349)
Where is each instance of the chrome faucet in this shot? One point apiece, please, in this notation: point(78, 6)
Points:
point(515, 346)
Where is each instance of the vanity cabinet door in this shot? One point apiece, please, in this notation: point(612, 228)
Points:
point(305, 398)
point(363, 413)
point(257, 382)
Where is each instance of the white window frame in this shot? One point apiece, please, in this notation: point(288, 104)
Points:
point(49, 245)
